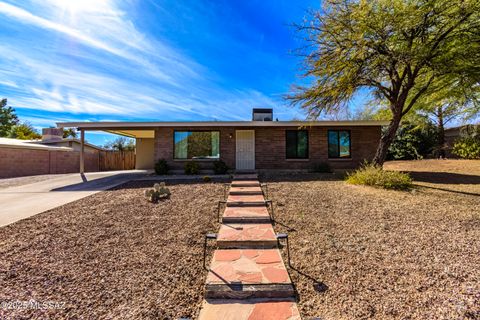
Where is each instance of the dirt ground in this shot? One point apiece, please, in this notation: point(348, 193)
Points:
point(111, 255)
point(364, 253)
point(357, 252)
point(461, 176)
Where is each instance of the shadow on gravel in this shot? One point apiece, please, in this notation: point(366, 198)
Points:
point(300, 177)
point(444, 177)
point(450, 190)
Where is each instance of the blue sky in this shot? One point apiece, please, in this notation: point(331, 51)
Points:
point(106, 60)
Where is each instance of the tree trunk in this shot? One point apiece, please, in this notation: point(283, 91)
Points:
point(441, 133)
point(386, 140)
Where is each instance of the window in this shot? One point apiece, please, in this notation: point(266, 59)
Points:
point(297, 144)
point(338, 144)
point(197, 145)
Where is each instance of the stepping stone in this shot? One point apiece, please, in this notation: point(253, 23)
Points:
point(245, 183)
point(248, 273)
point(246, 176)
point(245, 191)
point(245, 200)
point(258, 214)
point(246, 235)
point(249, 309)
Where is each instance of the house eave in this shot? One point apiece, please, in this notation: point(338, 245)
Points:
point(193, 124)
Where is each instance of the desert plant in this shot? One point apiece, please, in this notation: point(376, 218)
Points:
point(191, 167)
point(322, 167)
point(207, 179)
point(158, 192)
point(161, 166)
point(220, 167)
point(375, 176)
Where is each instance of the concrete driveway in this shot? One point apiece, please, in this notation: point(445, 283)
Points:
point(24, 201)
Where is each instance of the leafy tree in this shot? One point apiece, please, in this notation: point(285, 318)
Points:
point(24, 131)
point(121, 144)
point(397, 49)
point(8, 118)
point(69, 133)
point(414, 140)
point(468, 145)
point(442, 105)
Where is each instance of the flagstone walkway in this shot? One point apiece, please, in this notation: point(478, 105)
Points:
point(247, 279)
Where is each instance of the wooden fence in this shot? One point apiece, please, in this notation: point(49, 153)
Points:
point(116, 160)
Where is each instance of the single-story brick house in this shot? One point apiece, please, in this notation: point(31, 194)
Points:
point(260, 144)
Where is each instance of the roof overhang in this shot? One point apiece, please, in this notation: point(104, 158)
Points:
point(126, 126)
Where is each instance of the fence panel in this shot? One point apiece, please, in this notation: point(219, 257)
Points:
point(117, 160)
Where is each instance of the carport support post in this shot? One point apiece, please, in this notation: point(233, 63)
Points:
point(82, 151)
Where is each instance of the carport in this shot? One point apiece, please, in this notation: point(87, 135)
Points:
point(142, 133)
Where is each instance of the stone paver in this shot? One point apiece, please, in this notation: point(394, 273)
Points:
point(247, 200)
point(249, 309)
point(245, 191)
point(248, 273)
point(247, 264)
point(246, 235)
point(255, 214)
point(245, 183)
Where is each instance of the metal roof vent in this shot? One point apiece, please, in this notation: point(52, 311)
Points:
point(259, 114)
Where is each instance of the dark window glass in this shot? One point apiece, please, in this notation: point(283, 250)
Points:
point(339, 144)
point(297, 144)
point(197, 144)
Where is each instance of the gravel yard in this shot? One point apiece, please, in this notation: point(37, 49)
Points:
point(364, 253)
point(111, 255)
point(357, 252)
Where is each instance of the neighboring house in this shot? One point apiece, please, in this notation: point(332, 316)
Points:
point(54, 137)
point(27, 157)
point(260, 144)
point(451, 135)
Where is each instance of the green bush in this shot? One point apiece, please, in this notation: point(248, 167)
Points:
point(161, 167)
point(191, 167)
point(220, 167)
point(207, 179)
point(467, 148)
point(371, 175)
point(322, 167)
point(413, 141)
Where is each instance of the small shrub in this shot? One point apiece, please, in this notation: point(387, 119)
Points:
point(220, 167)
point(467, 148)
point(207, 179)
point(161, 167)
point(158, 192)
point(191, 167)
point(322, 167)
point(371, 175)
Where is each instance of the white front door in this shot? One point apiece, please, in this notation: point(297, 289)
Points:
point(245, 149)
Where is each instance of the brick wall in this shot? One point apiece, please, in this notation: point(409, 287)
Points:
point(270, 147)
point(17, 162)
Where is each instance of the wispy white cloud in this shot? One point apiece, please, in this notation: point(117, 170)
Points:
point(102, 65)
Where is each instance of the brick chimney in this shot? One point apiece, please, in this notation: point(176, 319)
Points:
point(55, 134)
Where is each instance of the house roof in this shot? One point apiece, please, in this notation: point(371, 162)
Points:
point(29, 144)
point(74, 140)
point(146, 129)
